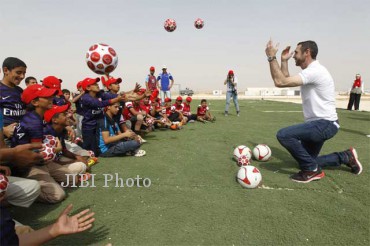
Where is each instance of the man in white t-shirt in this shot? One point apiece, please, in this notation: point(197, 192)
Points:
point(304, 141)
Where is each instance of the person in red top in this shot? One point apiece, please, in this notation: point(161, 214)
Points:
point(135, 115)
point(356, 91)
point(187, 111)
point(179, 107)
point(146, 106)
point(151, 80)
point(203, 113)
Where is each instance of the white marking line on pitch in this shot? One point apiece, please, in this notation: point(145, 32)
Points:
point(282, 111)
point(271, 188)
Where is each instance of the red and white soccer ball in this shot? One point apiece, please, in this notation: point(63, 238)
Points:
point(249, 177)
point(150, 121)
point(199, 23)
point(170, 25)
point(4, 182)
point(243, 161)
point(101, 58)
point(49, 143)
point(262, 152)
point(91, 153)
point(242, 150)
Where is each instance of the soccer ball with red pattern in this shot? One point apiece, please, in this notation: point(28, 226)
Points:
point(262, 152)
point(150, 121)
point(3, 183)
point(242, 150)
point(170, 25)
point(199, 23)
point(49, 143)
point(249, 176)
point(101, 58)
point(243, 161)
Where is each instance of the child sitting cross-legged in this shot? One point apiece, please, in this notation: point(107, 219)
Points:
point(111, 140)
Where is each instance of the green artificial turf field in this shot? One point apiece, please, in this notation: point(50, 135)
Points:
point(195, 200)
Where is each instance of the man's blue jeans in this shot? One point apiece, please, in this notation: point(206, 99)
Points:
point(304, 142)
point(229, 95)
point(121, 148)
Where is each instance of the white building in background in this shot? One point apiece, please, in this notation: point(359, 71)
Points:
point(272, 91)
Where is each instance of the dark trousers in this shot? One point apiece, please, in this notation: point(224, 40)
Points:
point(90, 141)
point(354, 99)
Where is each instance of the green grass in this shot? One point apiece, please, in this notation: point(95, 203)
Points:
point(195, 200)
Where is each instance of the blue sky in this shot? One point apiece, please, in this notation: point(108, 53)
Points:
point(53, 36)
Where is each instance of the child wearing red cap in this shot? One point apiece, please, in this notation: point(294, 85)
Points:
point(53, 82)
point(135, 115)
point(187, 111)
point(38, 100)
point(92, 106)
point(231, 82)
point(179, 107)
point(151, 80)
point(203, 113)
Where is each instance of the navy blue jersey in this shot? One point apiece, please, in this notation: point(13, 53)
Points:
point(30, 129)
point(60, 101)
point(7, 235)
point(49, 130)
point(11, 105)
point(78, 107)
point(92, 108)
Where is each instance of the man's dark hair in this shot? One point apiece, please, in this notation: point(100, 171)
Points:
point(203, 100)
point(12, 62)
point(64, 91)
point(311, 45)
point(27, 80)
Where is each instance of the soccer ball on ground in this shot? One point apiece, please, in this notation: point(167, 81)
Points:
point(49, 143)
point(199, 23)
point(170, 25)
point(249, 176)
point(4, 182)
point(262, 152)
point(101, 58)
point(243, 161)
point(242, 150)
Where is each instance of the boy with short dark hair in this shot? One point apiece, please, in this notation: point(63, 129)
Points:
point(30, 81)
point(11, 106)
point(111, 139)
point(203, 113)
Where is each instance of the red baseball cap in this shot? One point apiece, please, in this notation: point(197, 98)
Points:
point(34, 91)
point(112, 80)
point(88, 81)
point(189, 99)
point(51, 82)
point(55, 110)
point(167, 99)
point(79, 84)
point(179, 98)
point(154, 94)
point(231, 72)
point(152, 68)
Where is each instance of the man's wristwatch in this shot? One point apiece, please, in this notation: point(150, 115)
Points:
point(271, 58)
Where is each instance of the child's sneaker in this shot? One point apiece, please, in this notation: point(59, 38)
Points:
point(139, 153)
point(92, 161)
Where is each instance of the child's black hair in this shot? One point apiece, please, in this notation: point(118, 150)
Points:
point(203, 100)
point(66, 91)
point(12, 62)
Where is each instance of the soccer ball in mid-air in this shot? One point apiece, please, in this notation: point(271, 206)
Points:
point(262, 152)
point(49, 143)
point(249, 176)
point(243, 161)
point(101, 58)
point(199, 23)
point(242, 150)
point(170, 25)
point(3, 183)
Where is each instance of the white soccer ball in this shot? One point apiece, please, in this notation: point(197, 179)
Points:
point(262, 152)
point(243, 161)
point(249, 176)
point(242, 150)
point(49, 143)
point(170, 25)
point(101, 58)
point(199, 23)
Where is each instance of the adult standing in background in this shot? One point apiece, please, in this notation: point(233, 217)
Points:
point(355, 94)
point(231, 82)
point(164, 85)
point(151, 80)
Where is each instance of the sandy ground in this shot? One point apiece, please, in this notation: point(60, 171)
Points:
point(341, 101)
